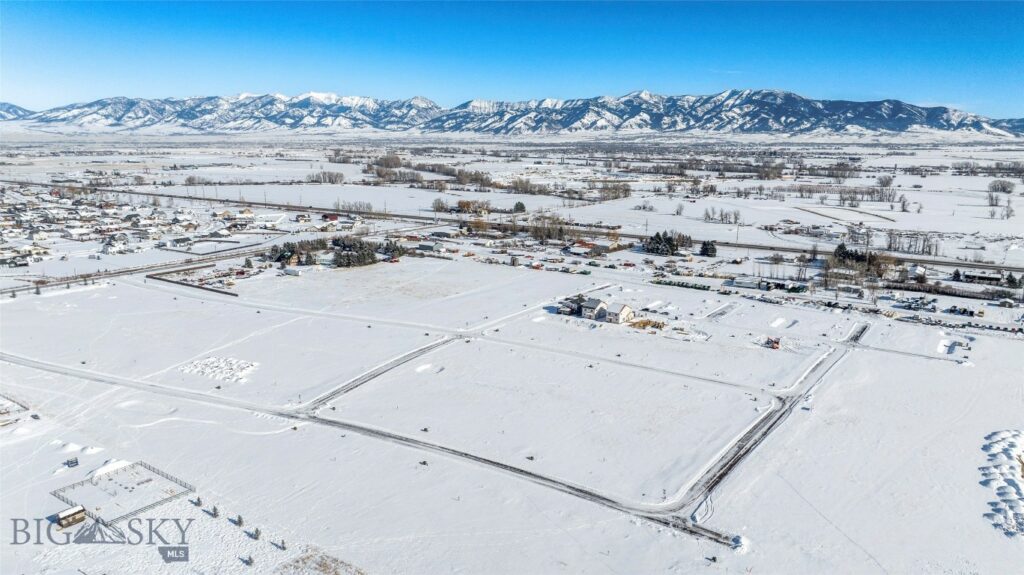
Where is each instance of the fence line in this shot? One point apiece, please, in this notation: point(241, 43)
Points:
point(188, 488)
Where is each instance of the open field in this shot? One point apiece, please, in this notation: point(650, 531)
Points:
point(440, 406)
point(637, 436)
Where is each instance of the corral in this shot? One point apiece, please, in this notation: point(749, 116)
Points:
point(126, 490)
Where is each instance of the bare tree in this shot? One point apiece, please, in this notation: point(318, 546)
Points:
point(1001, 186)
point(325, 177)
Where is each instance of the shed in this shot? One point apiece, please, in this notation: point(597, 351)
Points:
point(71, 516)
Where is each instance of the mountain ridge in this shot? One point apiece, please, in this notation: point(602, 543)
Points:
point(730, 111)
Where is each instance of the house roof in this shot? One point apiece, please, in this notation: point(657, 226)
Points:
point(593, 303)
point(618, 308)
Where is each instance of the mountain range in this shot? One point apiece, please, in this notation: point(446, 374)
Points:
point(731, 111)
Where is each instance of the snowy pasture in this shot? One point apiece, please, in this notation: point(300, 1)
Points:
point(632, 433)
point(445, 294)
point(173, 329)
point(905, 441)
point(438, 415)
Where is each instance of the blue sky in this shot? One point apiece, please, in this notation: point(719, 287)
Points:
point(966, 55)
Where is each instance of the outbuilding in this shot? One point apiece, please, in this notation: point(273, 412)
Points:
point(71, 516)
point(749, 282)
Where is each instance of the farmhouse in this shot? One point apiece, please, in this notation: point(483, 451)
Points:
point(593, 308)
point(619, 313)
point(571, 305)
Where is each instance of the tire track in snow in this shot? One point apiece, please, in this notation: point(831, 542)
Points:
point(315, 404)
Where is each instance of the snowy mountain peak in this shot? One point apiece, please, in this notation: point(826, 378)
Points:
point(729, 111)
point(12, 112)
point(322, 97)
point(478, 106)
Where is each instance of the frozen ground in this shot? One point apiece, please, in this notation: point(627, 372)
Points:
point(905, 449)
point(438, 415)
point(562, 416)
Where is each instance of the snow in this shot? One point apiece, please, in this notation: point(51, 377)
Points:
point(220, 368)
point(903, 443)
point(1004, 475)
point(731, 111)
point(625, 431)
point(439, 415)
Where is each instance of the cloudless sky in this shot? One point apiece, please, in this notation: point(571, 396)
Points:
point(967, 55)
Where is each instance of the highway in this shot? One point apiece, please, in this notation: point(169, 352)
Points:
point(146, 269)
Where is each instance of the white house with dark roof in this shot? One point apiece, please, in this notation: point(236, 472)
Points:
point(593, 308)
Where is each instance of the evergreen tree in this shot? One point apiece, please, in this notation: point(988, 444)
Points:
point(841, 252)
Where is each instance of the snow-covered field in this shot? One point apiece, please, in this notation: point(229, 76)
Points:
point(437, 414)
point(631, 433)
